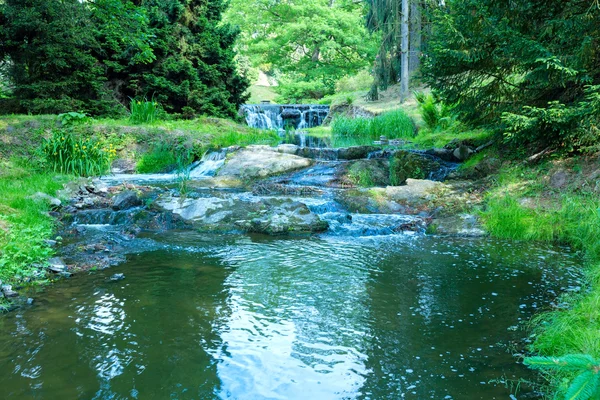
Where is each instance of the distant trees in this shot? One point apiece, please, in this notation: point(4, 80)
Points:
point(62, 55)
point(310, 44)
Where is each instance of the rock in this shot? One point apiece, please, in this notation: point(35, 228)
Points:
point(405, 165)
point(8, 291)
point(318, 153)
point(288, 148)
point(50, 243)
point(367, 173)
point(260, 162)
point(266, 215)
point(117, 277)
point(462, 152)
point(126, 200)
point(559, 179)
point(53, 201)
point(443, 154)
point(29, 301)
point(57, 265)
point(412, 198)
point(355, 152)
point(123, 166)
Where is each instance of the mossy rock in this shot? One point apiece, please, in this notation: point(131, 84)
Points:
point(368, 173)
point(405, 165)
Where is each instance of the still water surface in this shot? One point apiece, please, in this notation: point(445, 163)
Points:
point(248, 317)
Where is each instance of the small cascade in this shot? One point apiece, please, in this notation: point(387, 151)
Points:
point(285, 116)
point(205, 168)
point(208, 165)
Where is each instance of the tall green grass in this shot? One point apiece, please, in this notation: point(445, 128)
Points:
point(362, 131)
point(67, 153)
point(143, 111)
point(573, 218)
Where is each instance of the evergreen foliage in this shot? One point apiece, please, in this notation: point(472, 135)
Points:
point(585, 385)
point(92, 56)
point(530, 67)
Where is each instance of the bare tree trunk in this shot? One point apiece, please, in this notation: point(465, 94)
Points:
point(404, 56)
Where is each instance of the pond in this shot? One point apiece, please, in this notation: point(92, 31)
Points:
point(333, 316)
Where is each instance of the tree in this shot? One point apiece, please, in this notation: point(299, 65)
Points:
point(399, 24)
point(194, 67)
point(46, 47)
point(528, 67)
point(65, 55)
point(310, 43)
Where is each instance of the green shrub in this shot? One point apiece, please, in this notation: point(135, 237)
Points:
point(68, 154)
point(160, 158)
point(73, 118)
point(144, 111)
point(361, 81)
point(435, 114)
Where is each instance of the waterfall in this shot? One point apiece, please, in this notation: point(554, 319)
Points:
point(280, 117)
point(208, 165)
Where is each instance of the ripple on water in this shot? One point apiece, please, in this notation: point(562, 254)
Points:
point(251, 317)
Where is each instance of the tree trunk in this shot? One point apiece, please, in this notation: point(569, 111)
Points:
point(405, 49)
point(414, 61)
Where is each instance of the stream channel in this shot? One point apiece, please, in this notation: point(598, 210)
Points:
point(360, 311)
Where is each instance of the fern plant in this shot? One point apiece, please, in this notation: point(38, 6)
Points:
point(585, 385)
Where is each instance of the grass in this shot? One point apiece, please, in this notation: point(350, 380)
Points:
point(570, 217)
point(260, 93)
point(24, 222)
point(394, 125)
point(159, 159)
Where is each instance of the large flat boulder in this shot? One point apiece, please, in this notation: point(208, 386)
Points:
point(260, 162)
point(270, 216)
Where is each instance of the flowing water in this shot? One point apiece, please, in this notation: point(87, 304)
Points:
point(362, 311)
point(285, 116)
point(203, 316)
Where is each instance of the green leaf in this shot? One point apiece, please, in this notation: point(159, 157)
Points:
point(584, 386)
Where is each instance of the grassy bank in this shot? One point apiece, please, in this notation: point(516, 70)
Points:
point(24, 221)
point(532, 203)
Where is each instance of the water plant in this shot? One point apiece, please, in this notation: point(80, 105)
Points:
point(586, 369)
point(143, 111)
point(67, 153)
point(184, 160)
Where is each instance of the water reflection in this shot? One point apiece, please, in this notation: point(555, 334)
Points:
point(241, 317)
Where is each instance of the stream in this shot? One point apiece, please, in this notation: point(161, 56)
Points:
point(360, 311)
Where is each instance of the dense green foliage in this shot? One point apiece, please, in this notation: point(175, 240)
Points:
point(92, 56)
point(307, 45)
point(24, 223)
point(531, 68)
